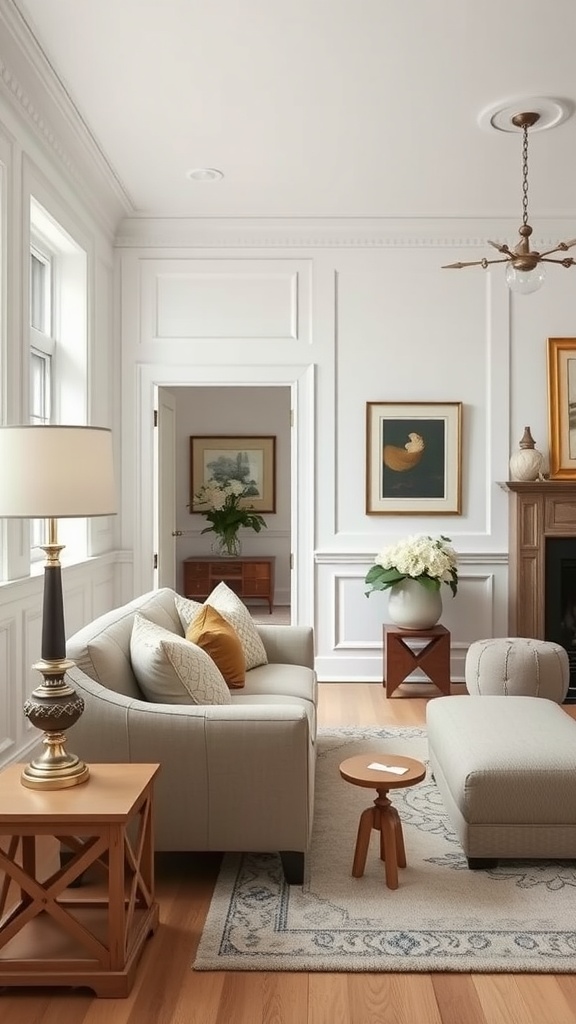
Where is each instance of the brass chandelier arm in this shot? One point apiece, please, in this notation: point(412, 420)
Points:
point(475, 263)
point(568, 262)
point(501, 246)
point(561, 247)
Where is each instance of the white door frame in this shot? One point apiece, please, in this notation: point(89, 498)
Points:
point(149, 378)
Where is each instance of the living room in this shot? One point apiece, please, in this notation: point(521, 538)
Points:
point(313, 271)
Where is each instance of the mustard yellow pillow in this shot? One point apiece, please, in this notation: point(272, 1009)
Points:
point(210, 631)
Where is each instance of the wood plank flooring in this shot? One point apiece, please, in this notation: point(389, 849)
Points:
point(167, 991)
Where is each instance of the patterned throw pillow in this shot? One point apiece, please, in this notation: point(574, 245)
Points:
point(187, 610)
point(171, 670)
point(210, 631)
point(236, 613)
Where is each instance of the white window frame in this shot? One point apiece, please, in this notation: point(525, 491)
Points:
point(63, 343)
point(43, 348)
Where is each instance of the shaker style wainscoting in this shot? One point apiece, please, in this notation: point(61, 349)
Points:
point(251, 578)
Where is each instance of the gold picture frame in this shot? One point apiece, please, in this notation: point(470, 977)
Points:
point(227, 457)
point(562, 407)
point(413, 458)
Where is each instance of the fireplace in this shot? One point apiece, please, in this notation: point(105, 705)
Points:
point(560, 599)
point(542, 564)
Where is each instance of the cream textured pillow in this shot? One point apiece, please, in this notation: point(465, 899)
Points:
point(214, 634)
point(171, 670)
point(236, 613)
point(187, 610)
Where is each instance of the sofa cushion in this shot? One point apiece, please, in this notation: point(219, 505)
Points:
point(215, 635)
point(171, 670)
point(225, 601)
point(187, 609)
point(102, 648)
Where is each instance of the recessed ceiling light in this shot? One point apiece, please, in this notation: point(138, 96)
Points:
point(204, 174)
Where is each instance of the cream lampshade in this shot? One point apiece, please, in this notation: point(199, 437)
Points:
point(55, 472)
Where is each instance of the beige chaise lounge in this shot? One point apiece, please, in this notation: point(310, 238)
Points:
point(237, 776)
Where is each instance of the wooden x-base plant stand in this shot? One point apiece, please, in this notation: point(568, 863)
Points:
point(52, 933)
point(400, 659)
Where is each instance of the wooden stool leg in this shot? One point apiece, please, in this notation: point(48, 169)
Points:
point(365, 827)
point(389, 833)
point(400, 848)
point(378, 827)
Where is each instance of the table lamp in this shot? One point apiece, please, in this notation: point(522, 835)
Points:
point(55, 472)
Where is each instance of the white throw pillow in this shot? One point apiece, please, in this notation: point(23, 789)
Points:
point(236, 613)
point(187, 610)
point(171, 670)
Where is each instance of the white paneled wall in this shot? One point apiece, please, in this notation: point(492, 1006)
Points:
point(378, 320)
point(42, 155)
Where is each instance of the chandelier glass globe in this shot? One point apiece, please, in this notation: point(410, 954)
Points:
point(523, 282)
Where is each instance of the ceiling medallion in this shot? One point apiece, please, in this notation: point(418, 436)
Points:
point(525, 270)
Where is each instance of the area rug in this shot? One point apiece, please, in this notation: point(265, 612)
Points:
point(518, 917)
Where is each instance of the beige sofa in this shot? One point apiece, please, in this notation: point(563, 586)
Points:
point(237, 776)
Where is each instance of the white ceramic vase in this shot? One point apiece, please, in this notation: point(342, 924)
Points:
point(413, 606)
point(526, 463)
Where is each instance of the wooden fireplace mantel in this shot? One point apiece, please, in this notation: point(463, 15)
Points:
point(538, 509)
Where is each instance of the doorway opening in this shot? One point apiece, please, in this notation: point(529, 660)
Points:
point(231, 411)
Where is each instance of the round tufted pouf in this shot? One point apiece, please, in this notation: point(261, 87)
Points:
point(517, 666)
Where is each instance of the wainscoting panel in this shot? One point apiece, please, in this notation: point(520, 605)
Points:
point(349, 625)
point(8, 643)
point(232, 299)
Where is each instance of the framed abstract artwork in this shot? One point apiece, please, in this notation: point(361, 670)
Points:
point(413, 458)
point(562, 407)
point(250, 460)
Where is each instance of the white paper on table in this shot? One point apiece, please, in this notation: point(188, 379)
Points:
point(395, 769)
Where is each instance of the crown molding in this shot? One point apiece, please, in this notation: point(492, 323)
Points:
point(319, 233)
point(34, 89)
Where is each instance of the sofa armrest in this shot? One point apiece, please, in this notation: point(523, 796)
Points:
point(231, 775)
point(288, 645)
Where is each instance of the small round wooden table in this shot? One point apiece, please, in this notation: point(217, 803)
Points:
point(383, 816)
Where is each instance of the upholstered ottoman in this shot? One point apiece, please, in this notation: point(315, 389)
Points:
point(517, 666)
point(506, 771)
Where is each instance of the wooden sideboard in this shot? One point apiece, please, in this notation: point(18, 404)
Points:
point(251, 578)
point(538, 510)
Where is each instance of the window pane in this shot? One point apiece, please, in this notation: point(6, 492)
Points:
point(39, 387)
point(39, 294)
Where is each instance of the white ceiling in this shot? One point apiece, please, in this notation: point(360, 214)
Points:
point(318, 108)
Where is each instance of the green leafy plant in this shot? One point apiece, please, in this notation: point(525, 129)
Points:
point(430, 560)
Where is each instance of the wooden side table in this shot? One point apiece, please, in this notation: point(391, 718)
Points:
point(252, 578)
point(93, 935)
point(400, 659)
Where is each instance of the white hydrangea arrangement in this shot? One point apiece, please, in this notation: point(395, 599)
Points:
point(430, 560)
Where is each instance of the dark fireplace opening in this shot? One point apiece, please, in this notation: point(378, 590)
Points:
point(560, 601)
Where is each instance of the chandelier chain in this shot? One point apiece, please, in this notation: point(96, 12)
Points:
point(525, 176)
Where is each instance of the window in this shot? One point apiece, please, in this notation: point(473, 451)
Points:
point(58, 348)
point(41, 353)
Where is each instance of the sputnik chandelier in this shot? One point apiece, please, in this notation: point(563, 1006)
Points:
point(525, 270)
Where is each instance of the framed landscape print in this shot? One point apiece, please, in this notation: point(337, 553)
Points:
point(562, 407)
point(413, 458)
point(250, 460)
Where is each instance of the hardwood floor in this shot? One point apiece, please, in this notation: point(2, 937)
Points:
point(168, 991)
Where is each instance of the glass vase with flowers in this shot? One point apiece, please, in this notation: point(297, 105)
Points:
point(225, 508)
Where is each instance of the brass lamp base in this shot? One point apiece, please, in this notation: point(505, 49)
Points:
point(55, 768)
point(53, 707)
